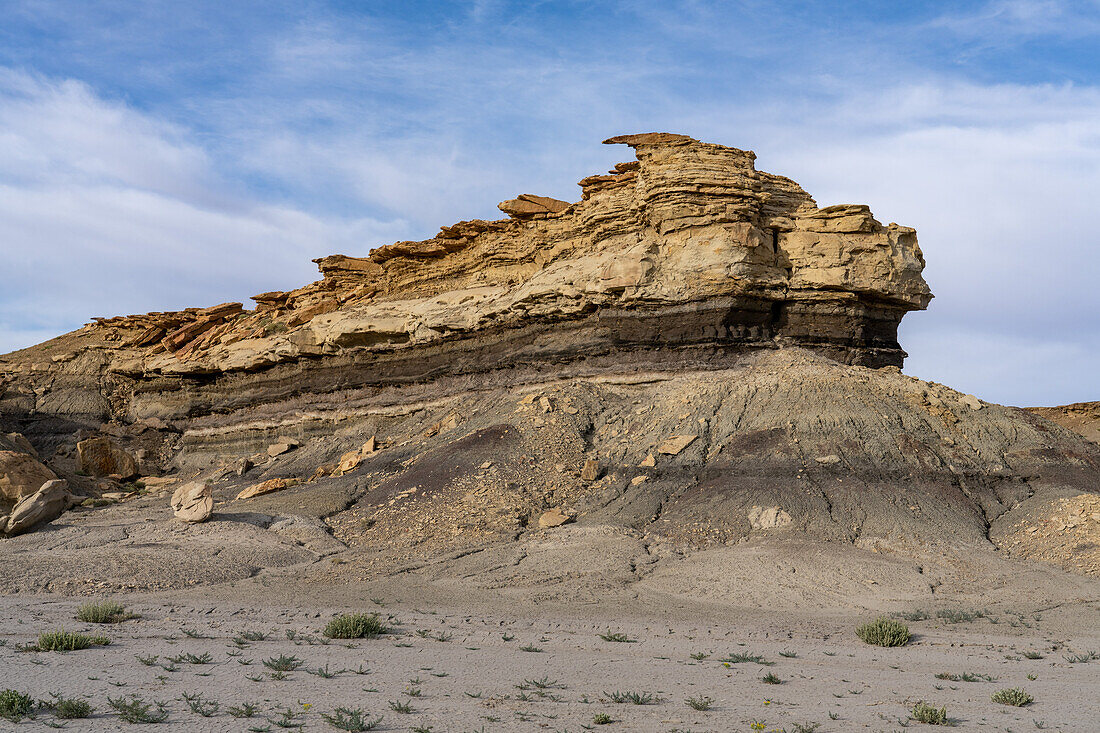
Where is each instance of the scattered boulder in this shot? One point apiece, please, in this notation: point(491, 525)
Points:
point(101, 457)
point(971, 401)
point(266, 487)
point(46, 504)
point(591, 470)
point(555, 518)
point(21, 475)
point(193, 502)
point(769, 517)
point(648, 462)
point(243, 466)
point(674, 445)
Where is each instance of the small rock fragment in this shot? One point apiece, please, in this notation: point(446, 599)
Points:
point(266, 487)
point(649, 462)
point(278, 449)
point(591, 470)
point(554, 518)
point(672, 446)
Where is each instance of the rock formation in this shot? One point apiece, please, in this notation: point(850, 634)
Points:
point(694, 354)
point(686, 257)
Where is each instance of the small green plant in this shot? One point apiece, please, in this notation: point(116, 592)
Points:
point(788, 654)
point(542, 683)
point(202, 706)
point(634, 698)
point(283, 663)
point(350, 720)
point(742, 658)
point(1012, 696)
point(15, 705)
point(189, 658)
point(133, 709)
point(244, 710)
point(958, 616)
point(148, 661)
point(356, 626)
point(1081, 658)
point(1032, 655)
point(67, 641)
point(617, 637)
point(965, 677)
point(884, 632)
point(404, 708)
point(103, 612)
point(530, 648)
point(699, 703)
point(771, 679)
point(922, 712)
point(602, 719)
point(699, 656)
point(67, 708)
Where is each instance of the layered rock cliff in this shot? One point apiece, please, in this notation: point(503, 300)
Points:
point(687, 256)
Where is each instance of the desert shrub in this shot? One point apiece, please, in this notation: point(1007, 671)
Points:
point(15, 705)
point(1012, 696)
point(922, 712)
point(102, 612)
point(68, 708)
point(355, 626)
point(884, 632)
point(68, 641)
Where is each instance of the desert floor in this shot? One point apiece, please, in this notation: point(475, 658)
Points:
point(501, 664)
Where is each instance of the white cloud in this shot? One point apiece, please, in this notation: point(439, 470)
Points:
point(104, 210)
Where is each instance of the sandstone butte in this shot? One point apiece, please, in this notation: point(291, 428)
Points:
point(694, 351)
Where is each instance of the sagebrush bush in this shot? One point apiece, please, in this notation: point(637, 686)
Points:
point(68, 641)
point(884, 632)
point(1012, 696)
point(102, 612)
point(922, 712)
point(355, 626)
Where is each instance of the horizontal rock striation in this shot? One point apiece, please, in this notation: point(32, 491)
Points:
point(687, 257)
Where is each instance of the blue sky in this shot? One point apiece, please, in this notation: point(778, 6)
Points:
point(158, 155)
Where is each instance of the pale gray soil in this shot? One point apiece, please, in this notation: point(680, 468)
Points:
point(469, 676)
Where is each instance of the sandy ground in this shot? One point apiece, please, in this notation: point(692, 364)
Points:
point(510, 666)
